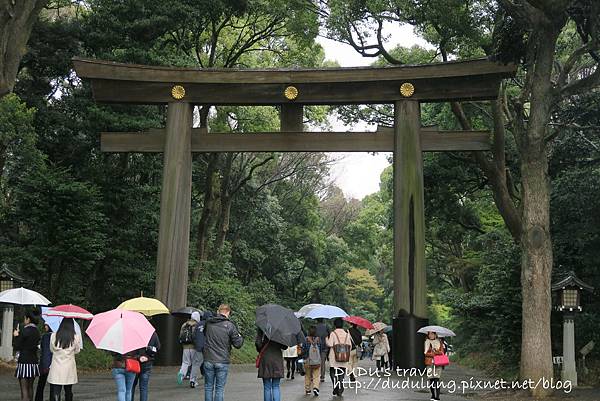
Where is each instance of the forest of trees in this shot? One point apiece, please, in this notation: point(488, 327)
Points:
point(501, 225)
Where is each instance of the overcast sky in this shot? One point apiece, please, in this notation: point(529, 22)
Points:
point(357, 174)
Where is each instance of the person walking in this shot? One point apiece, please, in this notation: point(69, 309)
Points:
point(64, 344)
point(270, 365)
point(26, 344)
point(189, 358)
point(220, 335)
point(123, 377)
point(146, 358)
point(45, 360)
point(290, 354)
point(312, 350)
point(339, 342)
point(356, 337)
point(381, 350)
point(433, 347)
point(323, 333)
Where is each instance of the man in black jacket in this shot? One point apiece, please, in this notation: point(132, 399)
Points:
point(220, 334)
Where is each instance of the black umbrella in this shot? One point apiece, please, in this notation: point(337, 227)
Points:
point(188, 310)
point(279, 324)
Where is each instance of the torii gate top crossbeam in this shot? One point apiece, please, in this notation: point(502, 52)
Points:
point(451, 81)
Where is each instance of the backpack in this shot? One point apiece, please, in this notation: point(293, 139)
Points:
point(314, 353)
point(199, 338)
point(186, 335)
point(341, 351)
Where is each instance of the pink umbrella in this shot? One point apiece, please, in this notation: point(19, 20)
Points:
point(120, 331)
point(72, 311)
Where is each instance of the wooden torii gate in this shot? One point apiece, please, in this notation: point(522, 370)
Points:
point(404, 86)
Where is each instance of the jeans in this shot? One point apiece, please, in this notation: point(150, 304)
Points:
point(337, 379)
point(55, 390)
point(124, 381)
point(272, 391)
point(215, 376)
point(143, 378)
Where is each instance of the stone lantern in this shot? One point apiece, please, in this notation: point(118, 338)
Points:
point(8, 280)
point(569, 303)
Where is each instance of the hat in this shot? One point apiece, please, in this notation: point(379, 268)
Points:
point(196, 316)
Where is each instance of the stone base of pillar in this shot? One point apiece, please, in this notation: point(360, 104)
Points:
point(167, 328)
point(407, 344)
point(6, 349)
point(569, 375)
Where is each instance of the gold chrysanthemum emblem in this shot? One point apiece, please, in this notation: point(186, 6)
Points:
point(407, 89)
point(290, 93)
point(178, 92)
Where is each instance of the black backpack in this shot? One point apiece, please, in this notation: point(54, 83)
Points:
point(186, 335)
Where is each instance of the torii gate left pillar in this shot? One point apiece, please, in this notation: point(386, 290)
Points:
point(175, 208)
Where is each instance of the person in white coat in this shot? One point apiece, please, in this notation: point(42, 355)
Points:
point(381, 350)
point(64, 344)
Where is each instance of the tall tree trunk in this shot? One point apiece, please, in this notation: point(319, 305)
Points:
point(225, 204)
point(16, 21)
point(536, 260)
point(206, 218)
point(223, 226)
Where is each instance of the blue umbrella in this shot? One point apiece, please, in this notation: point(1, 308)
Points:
point(54, 322)
point(326, 312)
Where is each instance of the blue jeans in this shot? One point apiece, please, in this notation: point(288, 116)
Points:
point(272, 390)
point(215, 376)
point(124, 382)
point(143, 378)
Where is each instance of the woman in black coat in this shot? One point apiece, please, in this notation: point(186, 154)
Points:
point(270, 365)
point(45, 361)
point(26, 343)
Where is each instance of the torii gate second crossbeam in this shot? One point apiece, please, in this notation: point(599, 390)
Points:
point(404, 86)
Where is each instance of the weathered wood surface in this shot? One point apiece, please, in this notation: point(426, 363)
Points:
point(291, 117)
point(100, 69)
point(380, 141)
point(124, 83)
point(473, 88)
point(175, 208)
point(410, 289)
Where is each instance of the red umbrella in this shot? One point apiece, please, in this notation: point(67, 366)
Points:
point(70, 311)
point(359, 321)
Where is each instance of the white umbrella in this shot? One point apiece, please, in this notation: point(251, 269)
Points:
point(23, 296)
point(326, 312)
point(439, 330)
point(54, 323)
point(302, 312)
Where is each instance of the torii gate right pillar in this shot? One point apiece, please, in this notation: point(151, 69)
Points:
point(410, 289)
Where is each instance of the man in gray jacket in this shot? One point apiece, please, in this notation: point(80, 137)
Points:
point(220, 335)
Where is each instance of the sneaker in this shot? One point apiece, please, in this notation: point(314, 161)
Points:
point(193, 384)
point(307, 392)
point(179, 378)
point(322, 380)
point(316, 392)
point(292, 377)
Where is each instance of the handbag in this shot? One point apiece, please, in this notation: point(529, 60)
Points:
point(441, 360)
point(133, 366)
point(261, 353)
